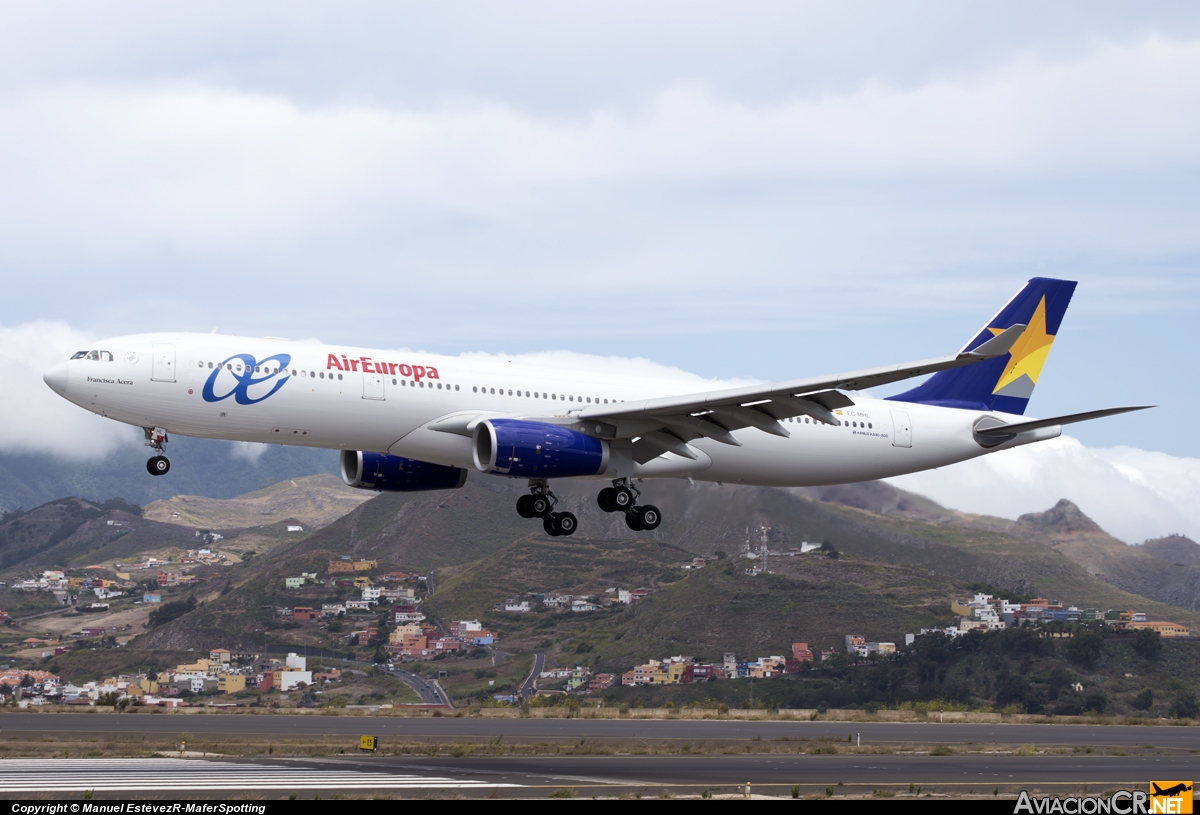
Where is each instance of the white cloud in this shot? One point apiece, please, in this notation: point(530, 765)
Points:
point(35, 419)
point(112, 169)
point(1133, 494)
point(248, 450)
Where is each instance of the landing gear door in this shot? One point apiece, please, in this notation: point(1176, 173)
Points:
point(163, 369)
point(372, 386)
point(901, 429)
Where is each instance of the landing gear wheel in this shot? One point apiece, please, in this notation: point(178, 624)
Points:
point(622, 498)
point(539, 505)
point(523, 506)
point(550, 526)
point(566, 523)
point(158, 465)
point(648, 516)
point(605, 500)
point(632, 521)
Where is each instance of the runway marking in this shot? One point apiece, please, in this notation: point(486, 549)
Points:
point(174, 774)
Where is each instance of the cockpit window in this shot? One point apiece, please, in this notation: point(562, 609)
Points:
point(93, 355)
point(105, 356)
point(99, 356)
point(79, 355)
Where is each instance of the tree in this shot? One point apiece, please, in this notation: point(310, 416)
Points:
point(1185, 706)
point(1147, 644)
point(1085, 648)
point(1143, 700)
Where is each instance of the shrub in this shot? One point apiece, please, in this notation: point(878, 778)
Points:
point(1185, 706)
point(1147, 644)
point(1085, 648)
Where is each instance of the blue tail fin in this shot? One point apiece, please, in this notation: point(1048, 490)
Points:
point(1005, 383)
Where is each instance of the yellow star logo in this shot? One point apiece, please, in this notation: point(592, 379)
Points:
point(1029, 354)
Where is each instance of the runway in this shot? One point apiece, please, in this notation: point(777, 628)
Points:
point(172, 775)
point(1163, 737)
point(603, 776)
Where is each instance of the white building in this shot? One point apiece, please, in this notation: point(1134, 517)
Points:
point(296, 662)
point(288, 680)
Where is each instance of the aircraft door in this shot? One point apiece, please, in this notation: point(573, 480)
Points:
point(163, 366)
point(373, 386)
point(901, 429)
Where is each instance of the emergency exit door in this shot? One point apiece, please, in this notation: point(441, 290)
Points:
point(901, 429)
point(163, 365)
point(372, 386)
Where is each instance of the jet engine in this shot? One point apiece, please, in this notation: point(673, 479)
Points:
point(376, 471)
point(536, 450)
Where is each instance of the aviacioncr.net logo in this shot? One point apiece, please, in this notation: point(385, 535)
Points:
point(241, 372)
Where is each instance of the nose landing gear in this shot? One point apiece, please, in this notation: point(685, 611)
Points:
point(156, 439)
point(540, 503)
point(622, 496)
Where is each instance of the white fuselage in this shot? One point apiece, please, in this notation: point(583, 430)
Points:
point(345, 398)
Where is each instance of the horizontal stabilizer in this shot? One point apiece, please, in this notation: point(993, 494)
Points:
point(990, 431)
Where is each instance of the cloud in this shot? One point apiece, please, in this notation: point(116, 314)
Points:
point(35, 419)
point(1133, 494)
point(109, 170)
point(248, 451)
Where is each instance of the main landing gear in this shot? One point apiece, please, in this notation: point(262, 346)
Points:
point(540, 504)
point(156, 438)
point(622, 496)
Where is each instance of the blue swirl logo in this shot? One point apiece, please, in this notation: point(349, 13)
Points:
point(244, 376)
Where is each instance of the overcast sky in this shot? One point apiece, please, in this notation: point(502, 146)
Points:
point(759, 191)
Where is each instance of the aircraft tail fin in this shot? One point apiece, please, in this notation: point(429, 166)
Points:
point(1006, 382)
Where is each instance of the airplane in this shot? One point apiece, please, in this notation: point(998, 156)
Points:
point(408, 421)
point(1170, 792)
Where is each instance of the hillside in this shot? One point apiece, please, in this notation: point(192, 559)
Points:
point(198, 467)
point(1164, 570)
point(897, 572)
point(315, 501)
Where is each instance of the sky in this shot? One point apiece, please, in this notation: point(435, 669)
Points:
point(756, 192)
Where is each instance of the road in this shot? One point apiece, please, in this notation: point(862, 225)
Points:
point(529, 688)
point(36, 725)
point(431, 692)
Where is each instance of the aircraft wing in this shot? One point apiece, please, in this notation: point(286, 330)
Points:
point(669, 423)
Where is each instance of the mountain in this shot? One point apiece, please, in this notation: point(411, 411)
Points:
point(1165, 570)
point(216, 469)
point(1177, 549)
point(314, 500)
point(896, 572)
point(71, 533)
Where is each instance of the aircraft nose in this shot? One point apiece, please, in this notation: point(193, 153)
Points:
point(56, 377)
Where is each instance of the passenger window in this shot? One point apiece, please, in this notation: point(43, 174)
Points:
point(552, 396)
point(339, 376)
point(493, 391)
point(79, 355)
point(475, 389)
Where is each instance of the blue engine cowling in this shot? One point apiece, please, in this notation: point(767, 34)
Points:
point(536, 450)
point(376, 471)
